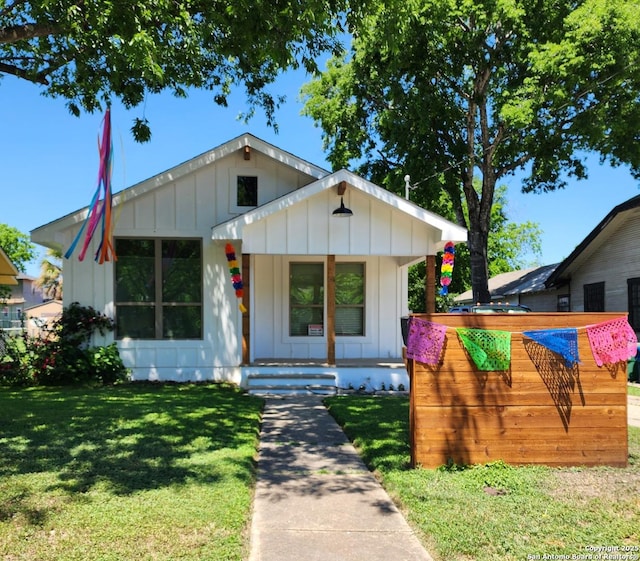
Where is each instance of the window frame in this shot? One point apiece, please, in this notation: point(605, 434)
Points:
point(323, 306)
point(362, 306)
point(234, 174)
point(560, 305)
point(633, 308)
point(594, 297)
point(158, 303)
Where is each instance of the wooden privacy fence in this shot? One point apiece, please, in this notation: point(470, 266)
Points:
point(540, 410)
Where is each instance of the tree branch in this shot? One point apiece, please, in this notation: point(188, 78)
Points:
point(21, 73)
point(27, 31)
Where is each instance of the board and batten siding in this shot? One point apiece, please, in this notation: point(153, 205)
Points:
point(309, 228)
point(187, 206)
point(384, 286)
point(612, 258)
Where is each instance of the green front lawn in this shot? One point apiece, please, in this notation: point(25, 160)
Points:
point(497, 512)
point(131, 472)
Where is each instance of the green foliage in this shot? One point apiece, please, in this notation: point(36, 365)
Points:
point(62, 355)
point(91, 52)
point(50, 279)
point(448, 91)
point(17, 246)
point(508, 244)
point(78, 323)
point(106, 365)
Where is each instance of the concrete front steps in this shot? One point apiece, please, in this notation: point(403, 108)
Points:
point(286, 384)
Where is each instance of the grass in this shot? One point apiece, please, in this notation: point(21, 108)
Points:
point(496, 511)
point(144, 472)
point(633, 390)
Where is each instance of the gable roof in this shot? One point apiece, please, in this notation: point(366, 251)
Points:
point(524, 281)
point(234, 229)
point(42, 235)
point(8, 271)
point(559, 275)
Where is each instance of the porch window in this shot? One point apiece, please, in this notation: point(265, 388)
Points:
point(594, 297)
point(158, 288)
point(306, 297)
point(349, 299)
point(633, 291)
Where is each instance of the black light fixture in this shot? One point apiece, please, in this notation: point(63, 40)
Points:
point(342, 211)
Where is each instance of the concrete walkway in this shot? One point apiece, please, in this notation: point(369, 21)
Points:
point(315, 500)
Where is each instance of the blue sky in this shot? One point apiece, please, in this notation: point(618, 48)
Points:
point(49, 159)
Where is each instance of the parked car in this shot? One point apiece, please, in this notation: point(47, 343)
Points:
point(491, 308)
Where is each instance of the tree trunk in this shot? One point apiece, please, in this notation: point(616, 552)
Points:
point(477, 243)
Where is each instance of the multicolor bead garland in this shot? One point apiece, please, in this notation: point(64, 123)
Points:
point(236, 276)
point(448, 257)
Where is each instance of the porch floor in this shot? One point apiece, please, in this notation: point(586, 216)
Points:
point(340, 363)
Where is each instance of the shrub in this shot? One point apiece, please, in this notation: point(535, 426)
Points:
point(106, 365)
point(62, 355)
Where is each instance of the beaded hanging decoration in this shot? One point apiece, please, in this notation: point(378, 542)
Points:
point(236, 276)
point(489, 349)
point(446, 270)
point(563, 342)
point(425, 340)
point(612, 341)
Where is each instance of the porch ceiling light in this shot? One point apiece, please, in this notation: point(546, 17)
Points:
point(342, 211)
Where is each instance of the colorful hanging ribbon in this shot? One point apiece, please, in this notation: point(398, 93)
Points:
point(446, 270)
point(236, 276)
point(99, 214)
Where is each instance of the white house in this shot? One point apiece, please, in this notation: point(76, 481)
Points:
point(323, 294)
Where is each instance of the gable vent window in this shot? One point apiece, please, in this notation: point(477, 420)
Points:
point(594, 297)
point(247, 190)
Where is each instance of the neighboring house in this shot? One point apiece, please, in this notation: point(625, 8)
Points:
point(24, 294)
point(323, 294)
point(8, 271)
point(602, 274)
point(526, 287)
point(39, 318)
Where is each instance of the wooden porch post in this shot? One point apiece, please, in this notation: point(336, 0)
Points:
point(246, 324)
point(430, 285)
point(330, 323)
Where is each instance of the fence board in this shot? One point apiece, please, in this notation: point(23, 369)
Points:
point(540, 411)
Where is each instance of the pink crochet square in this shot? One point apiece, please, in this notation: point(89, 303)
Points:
point(612, 341)
point(425, 340)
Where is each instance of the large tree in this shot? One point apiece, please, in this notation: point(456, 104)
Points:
point(17, 246)
point(92, 52)
point(452, 90)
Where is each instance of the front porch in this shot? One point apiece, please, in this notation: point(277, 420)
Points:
point(305, 377)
